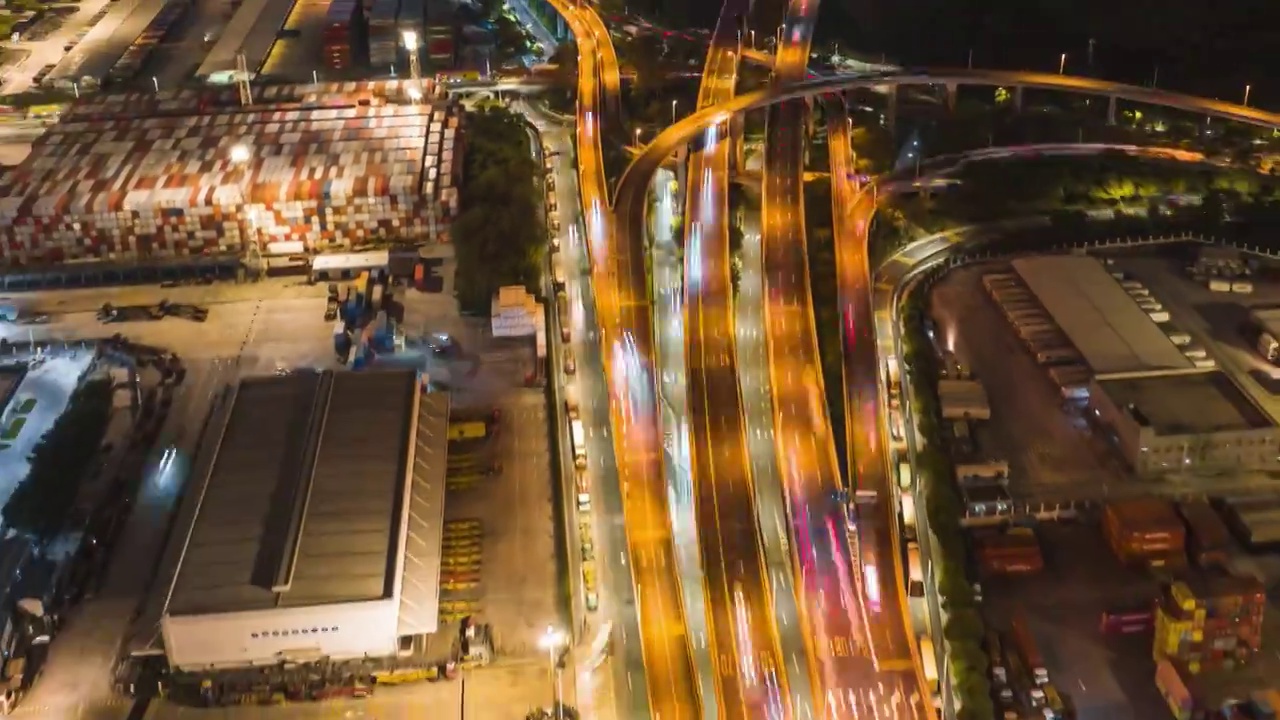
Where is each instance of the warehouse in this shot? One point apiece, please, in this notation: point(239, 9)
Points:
point(311, 524)
point(1186, 421)
point(105, 44)
point(1166, 411)
point(1101, 319)
point(146, 176)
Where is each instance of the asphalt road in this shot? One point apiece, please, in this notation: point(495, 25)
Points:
point(620, 284)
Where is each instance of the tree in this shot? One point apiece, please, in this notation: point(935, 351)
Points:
point(499, 237)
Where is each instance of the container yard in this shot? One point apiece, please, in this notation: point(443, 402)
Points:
point(341, 30)
point(127, 67)
point(1209, 623)
point(146, 176)
point(252, 31)
point(1145, 531)
point(384, 34)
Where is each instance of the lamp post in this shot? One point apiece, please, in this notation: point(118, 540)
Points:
point(551, 641)
point(1062, 64)
point(637, 137)
point(673, 111)
point(1247, 88)
point(410, 38)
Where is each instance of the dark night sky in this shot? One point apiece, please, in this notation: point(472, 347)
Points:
point(1207, 47)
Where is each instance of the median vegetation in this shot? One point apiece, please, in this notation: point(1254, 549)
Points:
point(500, 236)
point(40, 504)
point(963, 627)
point(823, 285)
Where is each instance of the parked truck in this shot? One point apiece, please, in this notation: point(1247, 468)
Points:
point(1028, 650)
point(1012, 551)
point(1208, 539)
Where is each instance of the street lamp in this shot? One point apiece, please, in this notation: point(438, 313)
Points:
point(1062, 64)
point(240, 153)
point(673, 111)
point(1247, 88)
point(415, 95)
point(551, 641)
point(637, 137)
point(410, 38)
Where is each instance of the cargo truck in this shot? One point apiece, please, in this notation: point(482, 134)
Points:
point(1208, 539)
point(1174, 691)
point(1028, 650)
point(1141, 529)
point(579, 437)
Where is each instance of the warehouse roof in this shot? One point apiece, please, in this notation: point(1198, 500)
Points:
point(302, 503)
point(107, 41)
point(420, 589)
point(1186, 403)
point(1108, 328)
point(251, 30)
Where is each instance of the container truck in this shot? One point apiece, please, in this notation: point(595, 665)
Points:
point(1141, 529)
point(1174, 691)
point(579, 436)
point(1208, 539)
point(1028, 650)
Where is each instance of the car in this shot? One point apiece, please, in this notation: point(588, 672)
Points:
point(569, 365)
point(593, 601)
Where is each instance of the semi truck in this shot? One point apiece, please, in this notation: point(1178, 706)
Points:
point(579, 436)
point(1028, 650)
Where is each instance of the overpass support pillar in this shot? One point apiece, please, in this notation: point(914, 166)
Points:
point(1111, 110)
point(891, 108)
point(682, 173)
point(1017, 98)
point(953, 94)
point(737, 130)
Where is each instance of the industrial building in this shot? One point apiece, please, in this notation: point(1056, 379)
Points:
point(1169, 409)
point(190, 173)
point(311, 524)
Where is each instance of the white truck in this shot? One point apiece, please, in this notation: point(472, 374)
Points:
point(579, 436)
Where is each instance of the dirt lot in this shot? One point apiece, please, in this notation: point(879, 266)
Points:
point(1052, 453)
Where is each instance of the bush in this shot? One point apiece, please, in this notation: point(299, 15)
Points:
point(40, 503)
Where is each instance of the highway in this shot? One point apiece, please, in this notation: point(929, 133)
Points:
point(626, 338)
point(751, 679)
point(893, 649)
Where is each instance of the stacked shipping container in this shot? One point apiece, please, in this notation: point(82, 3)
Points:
point(127, 177)
point(340, 30)
point(1209, 623)
point(1003, 552)
point(140, 51)
point(1144, 530)
point(384, 35)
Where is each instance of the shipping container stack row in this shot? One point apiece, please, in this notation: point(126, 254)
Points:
point(341, 25)
point(1040, 333)
point(440, 46)
point(384, 34)
point(127, 67)
point(148, 107)
point(1145, 531)
point(124, 194)
point(1209, 623)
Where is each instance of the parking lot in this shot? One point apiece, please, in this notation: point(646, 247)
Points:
point(1053, 454)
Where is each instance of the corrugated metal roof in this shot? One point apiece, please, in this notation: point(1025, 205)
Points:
point(420, 583)
point(252, 30)
point(301, 504)
point(1108, 328)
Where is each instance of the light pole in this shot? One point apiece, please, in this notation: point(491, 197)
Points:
point(1062, 64)
point(673, 111)
point(637, 137)
point(410, 38)
point(551, 641)
point(1247, 88)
